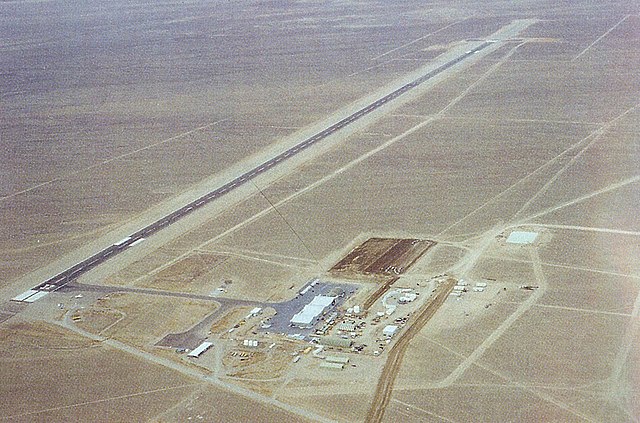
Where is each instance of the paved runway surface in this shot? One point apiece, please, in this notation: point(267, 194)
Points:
point(98, 258)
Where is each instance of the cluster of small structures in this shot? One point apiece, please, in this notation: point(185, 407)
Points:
point(321, 324)
point(464, 286)
point(324, 320)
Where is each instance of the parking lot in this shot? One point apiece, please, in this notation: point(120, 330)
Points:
point(280, 323)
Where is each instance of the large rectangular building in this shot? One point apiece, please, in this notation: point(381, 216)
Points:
point(306, 317)
point(200, 349)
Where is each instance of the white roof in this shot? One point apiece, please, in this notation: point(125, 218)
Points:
point(200, 349)
point(256, 310)
point(24, 295)
point(337, 359)
point(322, 300)
point(331, 365)
point(390, 330)
point(521, 237)
point(122, 241)
point(312, 310)
point(33, 298)
point(409, 296)
point(307, 314)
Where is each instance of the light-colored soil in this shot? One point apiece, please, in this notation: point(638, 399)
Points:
point(59, 371)
point(96, 319)
point(212, 404)
point(144, 318)
point(543, 131)
point(265, 363)
point(229, 320)
point(189, 271)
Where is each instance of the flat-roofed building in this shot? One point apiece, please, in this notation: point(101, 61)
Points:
point(332, 341)
point(24, 295)
point(331, 366)
point(35, 297)
point(522, 237)
point(390, 330)
point(200, 349)
point(347, 326)
point(336, 359)
point(306, 317)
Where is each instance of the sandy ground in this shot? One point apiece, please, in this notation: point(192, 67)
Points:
point(102, 132)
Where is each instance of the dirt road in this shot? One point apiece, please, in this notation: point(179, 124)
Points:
point(387, 378)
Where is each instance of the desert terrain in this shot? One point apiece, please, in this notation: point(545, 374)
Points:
point(113, 115)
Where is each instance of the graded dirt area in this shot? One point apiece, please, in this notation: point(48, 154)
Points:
point(258, 364)
point(380, 260)
point(381, 256)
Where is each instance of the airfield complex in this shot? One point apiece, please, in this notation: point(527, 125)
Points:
point(419, 255)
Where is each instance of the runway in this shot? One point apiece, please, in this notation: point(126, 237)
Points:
point(61, 279)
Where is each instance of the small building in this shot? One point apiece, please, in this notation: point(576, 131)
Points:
point(347, 327)
point(35, 297)
point(24, 295)
point(522, 237)
point(407, 297)
point(200, 349)
point(336, 359)
point(390, 330)
point(254, 312)
point(332, 341)
point(481, 284)
point(331, 366)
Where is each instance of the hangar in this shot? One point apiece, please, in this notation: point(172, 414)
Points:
point(306, 317)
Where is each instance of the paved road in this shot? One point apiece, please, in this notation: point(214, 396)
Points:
point(80, 287)
point(193, 336)
point(100, 257)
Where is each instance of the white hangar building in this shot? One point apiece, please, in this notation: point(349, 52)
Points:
point(306, 317)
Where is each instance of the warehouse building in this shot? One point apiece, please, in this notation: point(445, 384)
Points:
point(307, 317)
point(200, 349)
